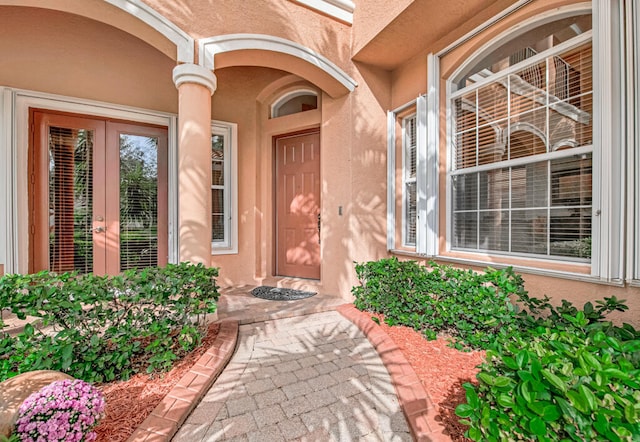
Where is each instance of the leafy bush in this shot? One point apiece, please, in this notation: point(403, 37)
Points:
point(569, 384)
point(552, 372)
point(539, 312)
point(471, 307)
point(99, 328)
point(566, 375)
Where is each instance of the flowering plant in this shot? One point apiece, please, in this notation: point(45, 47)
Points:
point(62, 411)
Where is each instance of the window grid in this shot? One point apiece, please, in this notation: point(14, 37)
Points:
point(461, 168)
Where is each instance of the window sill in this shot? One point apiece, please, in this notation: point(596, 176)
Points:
point(634, 283)
point(227, 251)
point(467, 261)
point(526, 269)
point(409, 253)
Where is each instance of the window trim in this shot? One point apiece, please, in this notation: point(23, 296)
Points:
point(429, 160)
point(608, 130)
point(391, 175)
point(426, 183)
point(513, 31)
point(230, 133)
point(8, 220)
point(633, 140)
point(339, 9)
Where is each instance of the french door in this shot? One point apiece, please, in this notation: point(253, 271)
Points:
point(98, 194)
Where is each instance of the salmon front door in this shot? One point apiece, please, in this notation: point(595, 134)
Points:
point(98, 195)
point(298, 205)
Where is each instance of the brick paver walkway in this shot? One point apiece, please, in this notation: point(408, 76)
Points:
point(313, 378)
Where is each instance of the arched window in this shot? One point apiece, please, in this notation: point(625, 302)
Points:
point(520, 168)
point(293, 102)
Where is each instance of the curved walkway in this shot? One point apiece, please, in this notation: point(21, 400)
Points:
point(314, 377)
point(309, 370)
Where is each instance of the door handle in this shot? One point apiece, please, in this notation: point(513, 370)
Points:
point(318, 228)
point(99, 229)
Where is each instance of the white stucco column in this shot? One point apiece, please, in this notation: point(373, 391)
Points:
point(195, 86)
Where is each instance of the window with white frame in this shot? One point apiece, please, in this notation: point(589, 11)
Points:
point(411, 191)
point(223, 183)
point(410, 145)
point(294, 102)
point(520, 160)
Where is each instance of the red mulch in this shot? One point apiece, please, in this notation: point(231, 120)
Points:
point(130, 402)
point(442, 371)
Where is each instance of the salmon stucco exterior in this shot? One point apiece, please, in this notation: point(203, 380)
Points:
point(283, 141)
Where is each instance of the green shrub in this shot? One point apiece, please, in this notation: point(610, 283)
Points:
point(567, 374)
point(471, 307)
point(100, 328)
point(552, 372)
point(569, 384)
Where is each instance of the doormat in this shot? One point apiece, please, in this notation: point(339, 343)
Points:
point(279, 293)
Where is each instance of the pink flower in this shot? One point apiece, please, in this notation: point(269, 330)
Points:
point(59, 412)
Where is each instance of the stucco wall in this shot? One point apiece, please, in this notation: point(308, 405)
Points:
point(580, 292)
point(371, 17)
point(66, 54)
point(369, 163)
point(281, 19)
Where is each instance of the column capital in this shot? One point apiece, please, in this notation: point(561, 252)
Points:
point(194, 73)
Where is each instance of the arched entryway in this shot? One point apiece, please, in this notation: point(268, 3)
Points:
point(95, 61)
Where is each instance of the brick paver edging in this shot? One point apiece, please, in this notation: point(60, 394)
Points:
point(163, 422)
point(416, 404)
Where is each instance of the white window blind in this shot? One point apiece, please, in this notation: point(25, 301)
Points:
point(521, 156)
point(409, 180)
point(138, 201)
point(70, 199)
point(218, 224)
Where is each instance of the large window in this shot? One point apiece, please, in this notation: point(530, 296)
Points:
point(223, 184)
point(520, 165)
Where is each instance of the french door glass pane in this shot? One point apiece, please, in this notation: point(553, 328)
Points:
point(70, 199)
point(138, 201)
